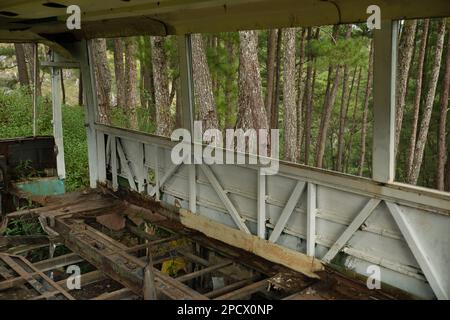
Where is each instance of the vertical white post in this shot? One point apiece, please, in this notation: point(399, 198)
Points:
point(57, 122)
point(101, 157)
point(261, 198)
point(157, 184)
point(115, 183)
point(35, 81)
point(187, 103)
point(385, 65)
point(90, 93)
point(311, 210)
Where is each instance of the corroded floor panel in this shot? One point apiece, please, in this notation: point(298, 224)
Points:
point(120, 243)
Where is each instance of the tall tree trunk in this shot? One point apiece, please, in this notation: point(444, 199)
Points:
point(131, 82)
point(440, 172)
point(349, 143)
point(147, 81)
point(103, 79)
point(344, 109)
point(119, 71)
point(307, 100)
point(330, 98)
point(204, 98)
point(142, 94)
point(405, 52)
point(426, 117)
point(270, 65)
point(29, 56)
point(161, 84)
point(447, 166)
point(22, 69)
point(276, 97)
point(300, 93)
point(251, 110)
point(417, 96)
point(289, 95)
point(365, 112)
point(228, 91)
point(345, 104)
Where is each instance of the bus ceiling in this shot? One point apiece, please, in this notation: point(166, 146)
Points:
point(45, 21)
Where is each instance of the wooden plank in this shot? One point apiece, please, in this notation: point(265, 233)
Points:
point(263, 248)
point(245, 291)
point(201, 272)
point(85, 279)
point(116, 263)
point(30, 277)
point(60, 64)
point(228, 288)
point(115, 295)
point(58, 262)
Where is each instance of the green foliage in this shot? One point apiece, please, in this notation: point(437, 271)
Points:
point(120, 118)
point(16, 114)
point(75, 148)
point(16, 121)
point(23, 227)
point(7, 51)
point(25, 170)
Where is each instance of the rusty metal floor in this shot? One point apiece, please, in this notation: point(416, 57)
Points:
point(112, 240)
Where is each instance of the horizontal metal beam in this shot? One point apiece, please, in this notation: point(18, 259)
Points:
point(60, 64)
point(413, 196)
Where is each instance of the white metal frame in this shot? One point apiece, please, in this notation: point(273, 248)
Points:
point(363, 221)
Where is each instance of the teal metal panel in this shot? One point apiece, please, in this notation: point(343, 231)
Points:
point(42, 187)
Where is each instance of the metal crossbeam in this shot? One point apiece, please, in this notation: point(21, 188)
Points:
point(164, 178)
point(287, 211)
point(223, 196)
point(418, 251)
point(126, 166)
point(351, 229)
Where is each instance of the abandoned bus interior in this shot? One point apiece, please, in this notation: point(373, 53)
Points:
point(143, 227)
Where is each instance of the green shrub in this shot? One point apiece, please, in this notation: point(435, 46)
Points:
point(16, 120)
